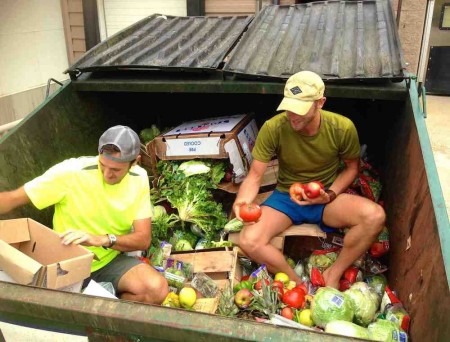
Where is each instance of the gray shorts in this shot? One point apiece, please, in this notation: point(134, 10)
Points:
point(113, 271)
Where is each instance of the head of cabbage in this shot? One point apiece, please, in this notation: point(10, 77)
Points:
point(365, 302)
point(329, 305)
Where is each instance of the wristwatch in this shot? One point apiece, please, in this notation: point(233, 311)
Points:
point(112, 240)
point(332, 195)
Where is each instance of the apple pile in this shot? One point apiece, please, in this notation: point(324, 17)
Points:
point(279, 295)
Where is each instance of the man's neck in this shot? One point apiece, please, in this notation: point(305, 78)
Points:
point(313, 127)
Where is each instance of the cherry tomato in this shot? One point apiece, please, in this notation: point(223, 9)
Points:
point(250, 212)
point(295, 191)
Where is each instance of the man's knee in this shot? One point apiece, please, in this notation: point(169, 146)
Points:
point(156, 290)
point(375, 217)
point(249, 243)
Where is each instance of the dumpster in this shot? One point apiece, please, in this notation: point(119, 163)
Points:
point(383, 102)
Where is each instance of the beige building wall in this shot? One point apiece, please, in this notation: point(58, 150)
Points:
point(119, 14)
point(33, 50)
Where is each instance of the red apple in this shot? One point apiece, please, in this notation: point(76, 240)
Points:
point(312, 189)
point(243, 298)
point(287, 312)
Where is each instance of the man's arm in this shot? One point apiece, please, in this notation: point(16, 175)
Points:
point(10, 200)
point(250, 186)
point(346, 177)
point(137, 240)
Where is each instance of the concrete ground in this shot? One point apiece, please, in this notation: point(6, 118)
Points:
point(438, 124)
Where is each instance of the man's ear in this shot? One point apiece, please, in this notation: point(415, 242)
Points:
point(321, 102)
point(138, 160)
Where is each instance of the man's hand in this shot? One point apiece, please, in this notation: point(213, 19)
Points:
point(323, 198)
point(79, 237)
point(237, 208)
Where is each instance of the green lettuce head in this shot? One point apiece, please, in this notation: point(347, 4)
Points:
point(329, 305)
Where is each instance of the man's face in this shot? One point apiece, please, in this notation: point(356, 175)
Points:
point(113, 171)
point(299, 122)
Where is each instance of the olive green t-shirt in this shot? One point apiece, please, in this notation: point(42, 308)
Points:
point(306, 158)
point(83, 201)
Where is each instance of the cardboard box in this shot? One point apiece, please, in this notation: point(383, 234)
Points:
point(220, 264)
point(32, 254)
point(230, 137)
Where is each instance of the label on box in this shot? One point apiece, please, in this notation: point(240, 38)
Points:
point(192, 146)
point(247, 138)
point(220, 124)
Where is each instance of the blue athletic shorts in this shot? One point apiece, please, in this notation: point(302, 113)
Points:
point(281, 201)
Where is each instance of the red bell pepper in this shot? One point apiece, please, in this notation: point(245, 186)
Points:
point(316, 277)
point(351, 274)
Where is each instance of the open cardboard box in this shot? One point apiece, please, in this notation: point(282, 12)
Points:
point(32, 254)
point(231, 137)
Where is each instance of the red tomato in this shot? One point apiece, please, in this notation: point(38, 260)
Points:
point(144, 259)
point(250, 212)
point(312, 189)
point(293, 298)
point(245, 277)
point(287, 312)
point(258, 285)
point(302, 287)
point(295, 191)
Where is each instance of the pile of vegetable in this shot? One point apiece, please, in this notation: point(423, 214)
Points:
point(190, 212)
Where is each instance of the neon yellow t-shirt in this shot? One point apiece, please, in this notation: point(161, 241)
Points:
point(85, 202)
point(306, 158)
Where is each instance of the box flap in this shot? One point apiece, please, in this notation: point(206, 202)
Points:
point(15, 230)
point(19, 266)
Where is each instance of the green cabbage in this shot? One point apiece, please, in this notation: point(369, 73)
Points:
point(346, 329)
point(329, 305)
point(386, 331)
point(378, 282)
point(193, 167)
point(159, 210)
point(365, 302)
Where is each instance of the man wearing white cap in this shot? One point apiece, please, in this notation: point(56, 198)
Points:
point(309, 143)
point(102, 203)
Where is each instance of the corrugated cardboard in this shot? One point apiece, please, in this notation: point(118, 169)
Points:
point(32, 254)
point(230, 137)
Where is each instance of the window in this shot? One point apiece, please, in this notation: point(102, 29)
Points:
point(444, 23)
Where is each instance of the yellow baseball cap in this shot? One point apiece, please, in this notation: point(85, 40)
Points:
point(300, 92)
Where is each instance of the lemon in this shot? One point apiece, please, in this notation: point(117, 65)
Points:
point(187, 297)
point(305, 318)
point(283, 277)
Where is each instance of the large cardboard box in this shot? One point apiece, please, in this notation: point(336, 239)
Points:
point(230, 137)
point(32, 254)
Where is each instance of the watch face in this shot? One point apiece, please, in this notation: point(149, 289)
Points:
point(112, 239)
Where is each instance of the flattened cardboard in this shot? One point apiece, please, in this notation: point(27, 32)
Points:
point(41, 254)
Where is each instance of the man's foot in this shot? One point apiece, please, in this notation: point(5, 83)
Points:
point(329, 279)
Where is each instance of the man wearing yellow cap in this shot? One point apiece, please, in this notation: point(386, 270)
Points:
point(309, 143)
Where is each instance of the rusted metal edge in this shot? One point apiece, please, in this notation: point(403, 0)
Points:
point(75, 313)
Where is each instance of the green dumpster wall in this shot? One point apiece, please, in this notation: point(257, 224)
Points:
point(70, 122)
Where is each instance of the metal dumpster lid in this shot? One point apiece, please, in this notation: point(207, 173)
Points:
point(164, 42)
point(340, 40)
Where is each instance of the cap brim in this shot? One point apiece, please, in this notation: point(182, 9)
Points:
point(295, 106)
